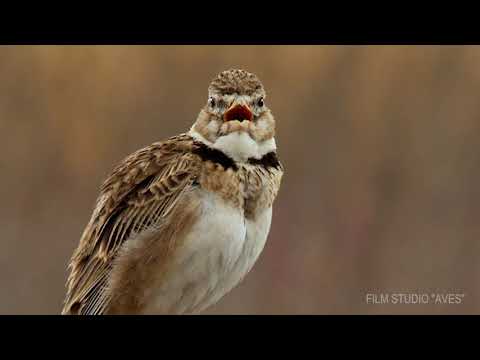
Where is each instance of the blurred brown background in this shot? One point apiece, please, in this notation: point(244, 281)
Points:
point(381, 146)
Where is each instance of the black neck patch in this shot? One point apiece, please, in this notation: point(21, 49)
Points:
point(267, 161)
point(214, 155)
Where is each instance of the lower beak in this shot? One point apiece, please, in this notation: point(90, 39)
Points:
point(238, 112)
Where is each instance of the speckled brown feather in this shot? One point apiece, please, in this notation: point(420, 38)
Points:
point(141, 189)
point(151, 200)
point(142, 264)
point(236, 80)
point(144, 188)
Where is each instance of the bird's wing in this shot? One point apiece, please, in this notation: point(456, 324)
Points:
point(142, 189)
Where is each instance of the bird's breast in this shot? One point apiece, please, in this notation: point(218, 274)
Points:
point(216, 254)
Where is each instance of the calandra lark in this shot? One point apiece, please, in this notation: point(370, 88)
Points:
point(179, 223)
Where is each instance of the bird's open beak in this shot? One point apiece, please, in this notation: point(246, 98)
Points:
point(238, 112)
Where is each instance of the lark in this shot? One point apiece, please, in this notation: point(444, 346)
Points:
point(179, 223)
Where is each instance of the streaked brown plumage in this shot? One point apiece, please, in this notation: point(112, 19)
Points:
point(151, 201)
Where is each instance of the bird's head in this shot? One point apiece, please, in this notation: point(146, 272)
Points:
point(236, 119)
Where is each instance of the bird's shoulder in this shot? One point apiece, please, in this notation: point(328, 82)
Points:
point(146, 175)
point(144, 187)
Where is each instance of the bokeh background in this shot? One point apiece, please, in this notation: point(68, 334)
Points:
point(381, 146)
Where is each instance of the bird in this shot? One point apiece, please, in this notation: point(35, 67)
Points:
point(179, 223)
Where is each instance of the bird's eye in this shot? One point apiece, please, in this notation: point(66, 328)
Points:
point(211, 102)
point(260, 102)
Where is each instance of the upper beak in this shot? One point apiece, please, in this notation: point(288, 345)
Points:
point(238, 112)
